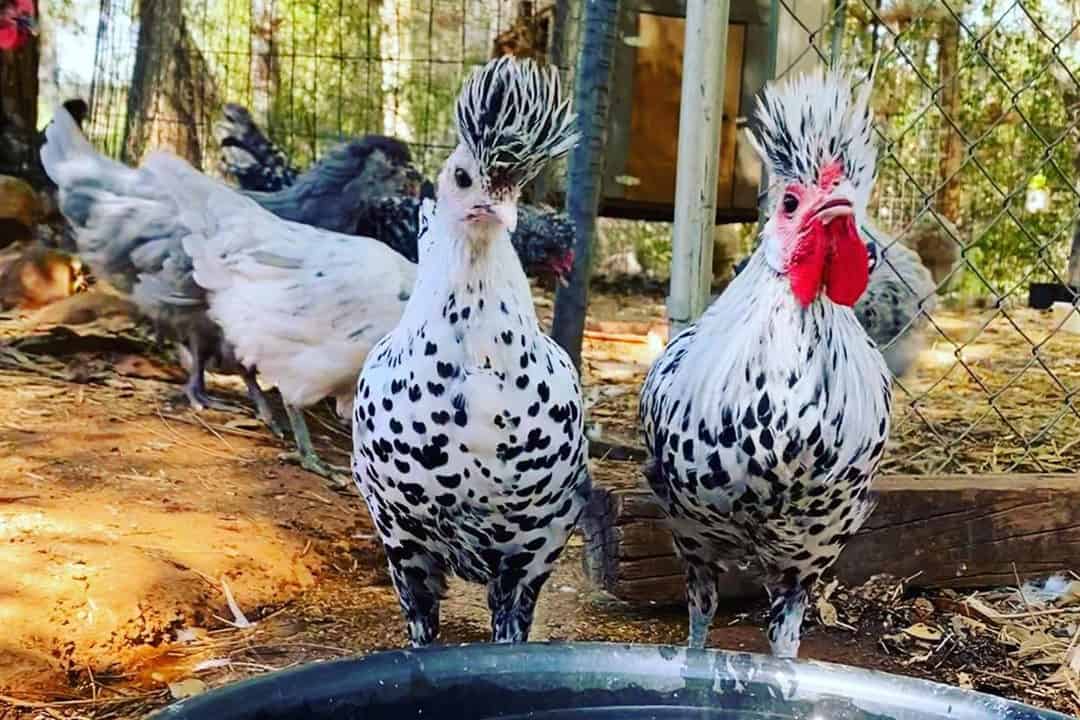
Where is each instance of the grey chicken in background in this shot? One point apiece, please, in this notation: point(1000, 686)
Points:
point(302, 305)
point(380, 201)
point(894, 308)
point(130, 232)
point(236, 284)
point(899, 294)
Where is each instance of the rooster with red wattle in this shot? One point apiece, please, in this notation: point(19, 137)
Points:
point(17, 23)
point(766, 420)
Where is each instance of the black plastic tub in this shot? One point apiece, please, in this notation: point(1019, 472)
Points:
point(586, 681)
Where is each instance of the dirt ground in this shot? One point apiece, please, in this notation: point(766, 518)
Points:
point(150, 552)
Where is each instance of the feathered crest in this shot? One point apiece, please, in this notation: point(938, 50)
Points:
point(812, 120)
point(513, 119)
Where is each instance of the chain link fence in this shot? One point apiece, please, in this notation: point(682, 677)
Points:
point(311, 73)
point(977, 107)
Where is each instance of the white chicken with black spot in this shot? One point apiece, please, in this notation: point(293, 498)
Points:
point(766, 420)
point(468, 440)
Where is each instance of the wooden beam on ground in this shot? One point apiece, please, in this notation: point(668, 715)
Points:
point(700, 116)
point(951, 531)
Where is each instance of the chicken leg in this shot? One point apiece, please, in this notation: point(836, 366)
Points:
point(305, 452)
point(195, 387)
point(787, 604)
point(262, 405)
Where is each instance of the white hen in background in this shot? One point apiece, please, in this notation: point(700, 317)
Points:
point(304, 306)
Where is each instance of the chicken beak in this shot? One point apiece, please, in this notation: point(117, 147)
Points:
point(503, 212)
point(836, 206)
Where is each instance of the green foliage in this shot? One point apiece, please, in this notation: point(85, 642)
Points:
point(649, 241)
point(1017, 132)
point(343, 69)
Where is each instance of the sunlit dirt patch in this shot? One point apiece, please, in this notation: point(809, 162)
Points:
point(119, 532)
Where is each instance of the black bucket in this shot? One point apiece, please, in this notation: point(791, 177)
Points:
point(586, 681)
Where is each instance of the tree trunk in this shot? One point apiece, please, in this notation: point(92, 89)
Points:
point(544, 185)
point(948, 198)
point(49, 91)
point(395, 46)
point(1073, 273)
point(1070, 96)
point(265, 73)
point(172, 91)
point(18, 111)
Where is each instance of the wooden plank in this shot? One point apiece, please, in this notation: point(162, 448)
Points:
point(959, 531)
point(670, 589)
point(650, 567)
point(662, 590)
point(968, 531)
point(597, 529)
point(649, 175)
point(657, 78)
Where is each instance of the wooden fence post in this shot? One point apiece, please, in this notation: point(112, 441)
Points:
point(701, 111)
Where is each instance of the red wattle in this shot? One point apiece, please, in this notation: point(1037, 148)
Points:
point(848, 269)
point(806, 264)
point(10, 39)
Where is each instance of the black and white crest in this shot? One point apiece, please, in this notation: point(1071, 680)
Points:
point(513, 119)
point(814, 119)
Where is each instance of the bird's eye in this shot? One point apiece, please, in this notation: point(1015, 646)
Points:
point(462, 178)
point(791, 203)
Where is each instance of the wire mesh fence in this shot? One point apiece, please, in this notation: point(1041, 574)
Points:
point(312, 73)
point(977, 108)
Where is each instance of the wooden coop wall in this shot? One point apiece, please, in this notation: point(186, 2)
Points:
point(642, 150)
point(649, 175)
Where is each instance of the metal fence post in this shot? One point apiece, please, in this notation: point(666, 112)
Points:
point(700, 115)
point(592, 86)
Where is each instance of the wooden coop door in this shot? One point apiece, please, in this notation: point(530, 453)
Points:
point(645, 185)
